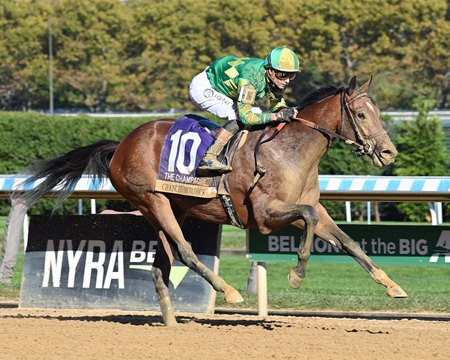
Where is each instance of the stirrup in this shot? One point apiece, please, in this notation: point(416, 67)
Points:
point(207, 166)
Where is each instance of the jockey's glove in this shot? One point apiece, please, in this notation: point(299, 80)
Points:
point(286, 114)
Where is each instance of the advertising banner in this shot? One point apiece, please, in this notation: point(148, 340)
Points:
point(396, 244)
point(104, 261)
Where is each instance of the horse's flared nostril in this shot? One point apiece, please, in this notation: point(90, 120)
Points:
point(389, 153)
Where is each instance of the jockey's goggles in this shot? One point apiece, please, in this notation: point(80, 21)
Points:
point(282, 75)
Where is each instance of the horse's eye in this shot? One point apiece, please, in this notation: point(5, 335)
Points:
point(361, 115)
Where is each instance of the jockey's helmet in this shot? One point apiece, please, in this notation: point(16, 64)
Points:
point(282, 59)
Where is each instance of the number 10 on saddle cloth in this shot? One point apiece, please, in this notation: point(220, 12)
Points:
point(184, 147)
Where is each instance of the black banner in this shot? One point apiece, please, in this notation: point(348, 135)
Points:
point(104, 261)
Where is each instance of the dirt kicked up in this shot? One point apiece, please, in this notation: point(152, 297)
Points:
point(105, 334)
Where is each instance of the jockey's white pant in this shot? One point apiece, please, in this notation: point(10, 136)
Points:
point(202, 94)
point(207, 98)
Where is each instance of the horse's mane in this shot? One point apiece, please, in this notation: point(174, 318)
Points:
point(320, 94)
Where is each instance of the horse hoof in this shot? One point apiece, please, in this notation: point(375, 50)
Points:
point(396, 292)
point(169, 320)
point(232, 296)
point(295, 280)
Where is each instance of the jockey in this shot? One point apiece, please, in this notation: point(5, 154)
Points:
point(229, 87)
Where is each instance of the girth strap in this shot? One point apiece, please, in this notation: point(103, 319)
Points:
point(227, 204)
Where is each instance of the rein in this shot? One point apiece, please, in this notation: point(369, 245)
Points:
point(326, 131)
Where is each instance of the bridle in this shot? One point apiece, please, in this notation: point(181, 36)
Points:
point(363, 144)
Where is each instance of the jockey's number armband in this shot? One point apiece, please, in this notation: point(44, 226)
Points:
point(247, 95)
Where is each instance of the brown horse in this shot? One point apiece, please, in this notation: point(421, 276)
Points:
point(288, 193)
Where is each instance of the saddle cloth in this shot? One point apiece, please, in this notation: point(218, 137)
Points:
point(184, 147)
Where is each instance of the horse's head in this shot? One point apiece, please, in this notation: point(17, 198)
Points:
point(361, 122)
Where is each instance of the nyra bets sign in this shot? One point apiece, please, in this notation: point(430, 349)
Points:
point(104, 261)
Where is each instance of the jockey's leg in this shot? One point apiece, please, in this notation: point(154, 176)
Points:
point(210, 162)
point(204, 96)
point(221, 106)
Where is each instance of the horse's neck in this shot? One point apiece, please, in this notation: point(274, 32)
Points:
point(325, 113)
point(299, 145)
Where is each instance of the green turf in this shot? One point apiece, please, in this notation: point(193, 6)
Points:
point(331, 286)
point(233, 238)
point(343, 287)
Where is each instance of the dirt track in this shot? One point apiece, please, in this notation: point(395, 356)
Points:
point(100, 334)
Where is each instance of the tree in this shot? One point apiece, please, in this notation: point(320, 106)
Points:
point(402, 43)
point(421, 153)
point(89, 38)
point(24, 65)
point(142, 54)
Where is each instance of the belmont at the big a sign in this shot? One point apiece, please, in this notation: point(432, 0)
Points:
point(386, 244)
point(104, 261)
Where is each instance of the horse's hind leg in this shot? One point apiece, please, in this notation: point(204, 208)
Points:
point(284, 214)
point(158, 209)
point(329, 231)
point(160, 274)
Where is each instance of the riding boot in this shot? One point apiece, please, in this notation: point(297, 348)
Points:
point(210, 162)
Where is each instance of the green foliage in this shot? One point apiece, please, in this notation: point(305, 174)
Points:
point(28, 137)
point(142, 54)
point(421, 153)
point(421, 146)
point(89, 52)
point(32, 136)
point(23, 70)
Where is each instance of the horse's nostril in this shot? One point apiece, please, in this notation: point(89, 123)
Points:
point(389, 153)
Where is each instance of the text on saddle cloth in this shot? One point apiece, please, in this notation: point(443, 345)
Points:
point(184, 147)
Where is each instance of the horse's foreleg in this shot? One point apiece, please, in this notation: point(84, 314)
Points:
point(353, 249)
point(329, 231)
point(286, 214)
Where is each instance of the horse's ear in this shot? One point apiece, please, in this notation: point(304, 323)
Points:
point(366, 85)
point(351, 86)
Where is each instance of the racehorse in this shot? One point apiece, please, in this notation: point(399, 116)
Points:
point(286, 193)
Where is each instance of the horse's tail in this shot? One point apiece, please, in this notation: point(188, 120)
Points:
point(64, 172)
